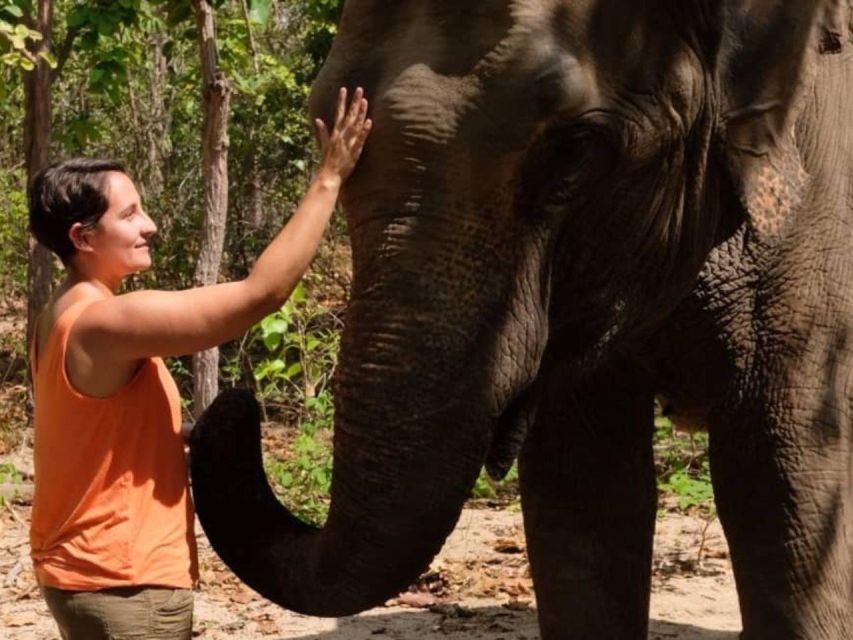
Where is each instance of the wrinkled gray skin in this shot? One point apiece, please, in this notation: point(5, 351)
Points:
point(565, 208)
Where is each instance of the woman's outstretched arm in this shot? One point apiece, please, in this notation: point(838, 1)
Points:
point(142, 324)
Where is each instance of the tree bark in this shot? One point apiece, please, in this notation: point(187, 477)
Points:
point(37, 129)
point(256, 194)
point(216, 94)
point(158, 125)
point(256, 202)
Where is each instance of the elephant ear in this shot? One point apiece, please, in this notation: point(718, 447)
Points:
point(767, 62)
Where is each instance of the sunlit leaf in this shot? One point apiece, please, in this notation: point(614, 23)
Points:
point(259, 11)
point(48, 57)
point(298, 294)
point(293, 370)
point(272, 341)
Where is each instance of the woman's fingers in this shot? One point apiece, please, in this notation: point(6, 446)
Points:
point(360, 133)
point(362, 137)
point(355, 106)
point(322, 133)
point(362, 114)
point(350, 129)
point(343, 144)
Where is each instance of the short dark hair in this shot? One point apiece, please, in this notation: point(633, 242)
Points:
point(64, 194)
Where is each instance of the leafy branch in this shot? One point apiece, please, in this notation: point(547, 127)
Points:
point(17, 36)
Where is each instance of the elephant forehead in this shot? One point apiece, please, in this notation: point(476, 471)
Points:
point(494, 75)
point(454, 39)
point(515, 74)
point(429, 105)
point(518, 42)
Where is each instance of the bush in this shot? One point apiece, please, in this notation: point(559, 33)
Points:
point(13, 233)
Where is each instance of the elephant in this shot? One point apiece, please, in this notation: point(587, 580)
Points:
point(566, 209)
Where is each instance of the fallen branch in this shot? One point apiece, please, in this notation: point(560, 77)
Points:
point(15, 515)
point(13, 574)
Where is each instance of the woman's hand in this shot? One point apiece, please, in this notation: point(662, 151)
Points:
point(342, 147)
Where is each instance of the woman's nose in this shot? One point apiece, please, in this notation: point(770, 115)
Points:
point(150, 228)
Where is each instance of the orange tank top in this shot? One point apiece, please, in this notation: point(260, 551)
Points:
point(111, 505)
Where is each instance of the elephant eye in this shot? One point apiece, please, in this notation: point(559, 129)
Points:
point(558, 160)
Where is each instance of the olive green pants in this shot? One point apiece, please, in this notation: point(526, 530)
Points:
point(123, 613)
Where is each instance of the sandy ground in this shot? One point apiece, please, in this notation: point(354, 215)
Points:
point(478, 588)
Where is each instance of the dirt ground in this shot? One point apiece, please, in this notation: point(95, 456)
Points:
point(478, 588)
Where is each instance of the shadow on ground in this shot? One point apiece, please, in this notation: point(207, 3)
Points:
point(487, 623)
point(660, 630)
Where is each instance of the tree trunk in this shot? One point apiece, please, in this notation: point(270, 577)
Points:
point(216, 96)
point(36, 152)
point(158, 125)
point(256, 196)
point(256, 202)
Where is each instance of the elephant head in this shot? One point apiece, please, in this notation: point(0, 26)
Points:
point(544, 181)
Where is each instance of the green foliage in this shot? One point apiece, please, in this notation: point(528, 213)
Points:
point(103, 34)
point(692, 488)
point(303, 479)
point(323, 17)
point(505, 490)
point(302, 341)
point(17, 38)
point(13, 232)
point(9, 474)
point(260, 11)
point(683, 469)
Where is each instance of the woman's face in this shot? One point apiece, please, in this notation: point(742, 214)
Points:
point(119, 241)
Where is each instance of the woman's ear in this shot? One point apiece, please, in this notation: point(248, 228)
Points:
point(767, 64)
point(79, 236)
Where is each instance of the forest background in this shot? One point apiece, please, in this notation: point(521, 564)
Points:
point(205, 104)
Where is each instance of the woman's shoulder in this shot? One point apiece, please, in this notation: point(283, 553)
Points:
point(74, 296)
point(92, 370)
point(64, 299)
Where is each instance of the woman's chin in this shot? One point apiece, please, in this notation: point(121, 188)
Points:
point(142, 265)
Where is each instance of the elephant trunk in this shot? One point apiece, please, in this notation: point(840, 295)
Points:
point(403, 467)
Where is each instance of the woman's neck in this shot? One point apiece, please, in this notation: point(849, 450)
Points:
point(77, 275)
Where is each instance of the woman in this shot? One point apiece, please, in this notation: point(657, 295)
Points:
point(112, 530)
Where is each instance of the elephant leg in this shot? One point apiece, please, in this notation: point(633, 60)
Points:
point(781, 468)
point(589, 500)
